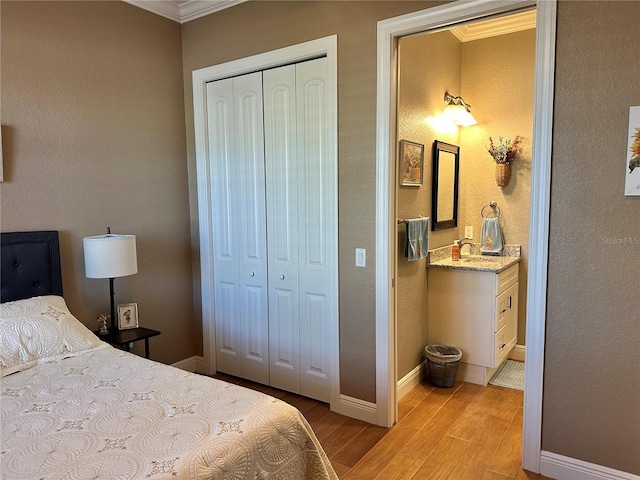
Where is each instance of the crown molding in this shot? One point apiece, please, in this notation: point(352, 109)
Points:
point(498, 26)
point(193, 9)
point(167, 9)
point(183, 11)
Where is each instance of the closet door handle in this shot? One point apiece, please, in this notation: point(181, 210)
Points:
point(282, 277)
point(252, 274)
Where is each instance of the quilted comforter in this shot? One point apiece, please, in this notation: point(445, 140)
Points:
point(110, 414)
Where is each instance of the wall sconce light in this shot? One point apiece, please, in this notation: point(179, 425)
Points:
point(457, 111)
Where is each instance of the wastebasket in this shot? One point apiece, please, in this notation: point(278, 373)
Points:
point(442, 363)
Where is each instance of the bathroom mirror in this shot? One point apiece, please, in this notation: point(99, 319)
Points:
point(444, 188)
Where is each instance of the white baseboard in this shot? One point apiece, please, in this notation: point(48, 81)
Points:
point(191, 364)
point(358, 409)
point(567, 468)
point(517, 353)
point(410, 380)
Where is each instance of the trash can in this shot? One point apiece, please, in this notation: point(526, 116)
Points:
point(442, 362)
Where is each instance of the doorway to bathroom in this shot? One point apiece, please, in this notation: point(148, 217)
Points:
point(488, 67)
point(434, 20)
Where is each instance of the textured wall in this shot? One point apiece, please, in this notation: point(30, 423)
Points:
point(498, 82)
point(592, 360)
point(93, 133)
point(429, 65)
point(268, 26)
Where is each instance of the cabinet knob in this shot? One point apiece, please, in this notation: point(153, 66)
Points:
point(503, 345)
point(252, 274)
point(282, 277)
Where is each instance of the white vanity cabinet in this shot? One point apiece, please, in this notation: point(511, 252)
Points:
point(477, 312)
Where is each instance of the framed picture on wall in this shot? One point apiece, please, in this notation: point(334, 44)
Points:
point(127, 316)
point(632, 170)
point(411, 163)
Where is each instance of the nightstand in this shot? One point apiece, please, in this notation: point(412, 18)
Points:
point(120, 338)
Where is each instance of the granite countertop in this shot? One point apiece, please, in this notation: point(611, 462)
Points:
point(474, 260)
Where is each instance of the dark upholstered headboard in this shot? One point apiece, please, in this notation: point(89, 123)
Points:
point(30, 265)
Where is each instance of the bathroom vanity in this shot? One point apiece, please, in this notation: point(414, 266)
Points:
point(473, 305)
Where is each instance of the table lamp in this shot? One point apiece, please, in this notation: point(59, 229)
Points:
point(110, 256)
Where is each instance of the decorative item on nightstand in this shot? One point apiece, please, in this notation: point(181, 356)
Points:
point(110, 256)
point(127, 316)
point(503, 154)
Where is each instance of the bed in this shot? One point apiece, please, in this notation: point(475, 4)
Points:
point(74, 407)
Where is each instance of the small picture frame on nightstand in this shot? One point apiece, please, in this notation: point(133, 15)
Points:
point(127, 316)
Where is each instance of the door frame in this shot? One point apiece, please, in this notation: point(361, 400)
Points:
point(326, 46)
point(389, 31)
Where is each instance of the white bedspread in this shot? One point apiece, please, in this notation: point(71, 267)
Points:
point(110, 414)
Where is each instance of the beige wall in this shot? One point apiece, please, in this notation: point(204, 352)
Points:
point(591, 407)
point(498, 82)
point(93, 133)
point(429, 65)
point(268, 26)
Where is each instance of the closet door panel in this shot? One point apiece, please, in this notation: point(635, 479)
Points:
point(224, 195)
point(249, 148)
point(315, 228)
point(282, 225)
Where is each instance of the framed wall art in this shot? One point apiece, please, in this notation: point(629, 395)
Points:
point(127, 316)
point(411, 163)
point(632, 163)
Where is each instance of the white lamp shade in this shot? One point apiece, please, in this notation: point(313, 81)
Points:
point(110, 256)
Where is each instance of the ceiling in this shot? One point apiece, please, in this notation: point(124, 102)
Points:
point(182, 11)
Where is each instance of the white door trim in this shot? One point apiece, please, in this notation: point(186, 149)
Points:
point(388, 33)
point(327, 46)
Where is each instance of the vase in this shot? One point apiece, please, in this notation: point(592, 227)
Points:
point(503, 174)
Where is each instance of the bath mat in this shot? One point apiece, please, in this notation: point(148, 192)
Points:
point(509, 375)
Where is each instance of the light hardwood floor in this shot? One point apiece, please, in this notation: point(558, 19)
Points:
point(467, 432)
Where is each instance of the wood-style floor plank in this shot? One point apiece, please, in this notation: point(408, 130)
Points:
point(358, 447)
point(442, 459)
point(507, 457)
point(402, 467)
point(377, 457)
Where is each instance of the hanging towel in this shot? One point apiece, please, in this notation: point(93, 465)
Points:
point(491, 240)
point(417, 243)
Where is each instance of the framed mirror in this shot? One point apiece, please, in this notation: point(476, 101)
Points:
point(444, 187)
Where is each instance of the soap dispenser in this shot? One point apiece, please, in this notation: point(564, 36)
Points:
point(455, 250)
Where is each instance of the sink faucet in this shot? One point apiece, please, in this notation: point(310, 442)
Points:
point(465, 241)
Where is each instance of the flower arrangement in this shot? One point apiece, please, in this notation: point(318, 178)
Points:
point(634, 162)
point(505, 151)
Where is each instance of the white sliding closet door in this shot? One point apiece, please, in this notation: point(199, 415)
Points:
point(240, 262)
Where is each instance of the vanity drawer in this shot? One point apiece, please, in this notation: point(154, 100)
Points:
point(507, 278)
point(501, 345)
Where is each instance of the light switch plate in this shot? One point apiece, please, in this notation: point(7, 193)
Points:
point(361, 257)
point(468, 231)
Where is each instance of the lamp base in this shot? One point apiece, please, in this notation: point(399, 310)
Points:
point(113, 305)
